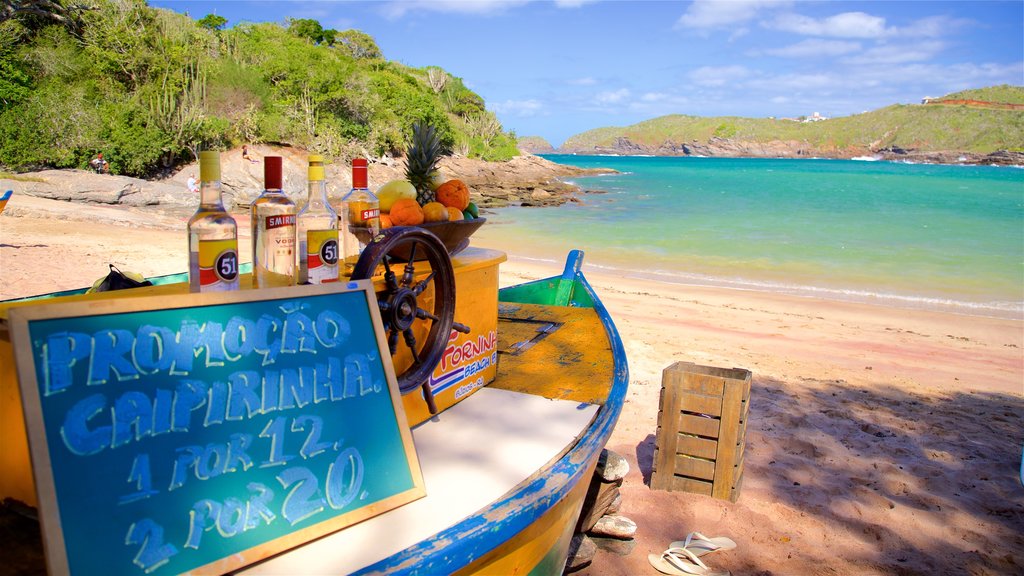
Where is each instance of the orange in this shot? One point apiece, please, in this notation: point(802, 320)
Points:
point(406, 212)
point(432, 212)
point(453, 193)
point(385, 221)
point(454, 214)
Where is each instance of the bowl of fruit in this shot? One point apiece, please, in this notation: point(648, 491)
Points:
point(425, 198)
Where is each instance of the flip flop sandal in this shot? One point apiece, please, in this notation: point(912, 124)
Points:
point(681, 562)
point(700, 544)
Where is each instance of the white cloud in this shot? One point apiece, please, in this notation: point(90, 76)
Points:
point(718, 76)
point(612, 97)
point(815, 48)
point(653, 97)
point(519, 108)
point(587, 81)
point(398, 8)
point(572, 3)
point(845, 25)
point(863, 25)
point(709, 14)
point(841, 90)
point(931, 27)
point(794, 83)
point(897, 54)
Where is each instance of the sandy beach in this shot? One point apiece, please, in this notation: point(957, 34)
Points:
point(880, 440)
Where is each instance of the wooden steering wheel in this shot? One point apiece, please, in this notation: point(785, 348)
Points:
point(416, 308)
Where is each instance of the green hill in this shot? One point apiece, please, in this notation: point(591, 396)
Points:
point(149, 87)
point(912, 127)
point(1002, 94)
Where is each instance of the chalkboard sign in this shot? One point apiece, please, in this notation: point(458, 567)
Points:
point(205, 432)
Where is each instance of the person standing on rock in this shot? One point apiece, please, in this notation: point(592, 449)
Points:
point(193, 184)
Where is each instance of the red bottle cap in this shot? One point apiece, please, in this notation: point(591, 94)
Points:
point(272, 172)
point(359, 178)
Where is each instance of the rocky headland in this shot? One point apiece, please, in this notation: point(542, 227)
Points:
point(737, 148)
point(525, 180)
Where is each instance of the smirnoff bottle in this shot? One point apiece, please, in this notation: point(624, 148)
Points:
point(317, 230)
point(212, 234)
point(273, 231)
point(360, 215)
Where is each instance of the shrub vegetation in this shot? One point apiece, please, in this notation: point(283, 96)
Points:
point(919, 127)
point(150, 87)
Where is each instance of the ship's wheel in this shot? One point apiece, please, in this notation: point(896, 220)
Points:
point(417, 303)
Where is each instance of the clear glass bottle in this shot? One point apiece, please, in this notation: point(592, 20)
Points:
point(273, 230)
point(317, 230)
point(212, 234)
point(360, 213)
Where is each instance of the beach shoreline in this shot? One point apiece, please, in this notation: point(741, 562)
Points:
point(880, 440)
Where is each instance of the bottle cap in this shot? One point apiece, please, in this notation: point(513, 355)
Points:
point(209, 166)
point(272, 172)
point(316, 167)
point(359, 178)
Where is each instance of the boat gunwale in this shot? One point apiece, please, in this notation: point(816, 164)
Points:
point(475, 536)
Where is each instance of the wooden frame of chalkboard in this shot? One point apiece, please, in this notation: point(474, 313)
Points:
point(203, 432)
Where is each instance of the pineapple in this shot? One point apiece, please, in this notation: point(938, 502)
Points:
point(421, 160)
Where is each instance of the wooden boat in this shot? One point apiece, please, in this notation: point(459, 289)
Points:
point(506, 448)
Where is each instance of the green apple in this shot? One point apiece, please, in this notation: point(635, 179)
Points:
point(436, 179)
point(394, 191)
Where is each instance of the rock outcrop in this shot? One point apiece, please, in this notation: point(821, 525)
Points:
point(525, 180)
point(535, 145)
point(736, 148)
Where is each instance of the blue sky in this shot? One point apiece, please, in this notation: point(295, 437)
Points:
point(557, 68)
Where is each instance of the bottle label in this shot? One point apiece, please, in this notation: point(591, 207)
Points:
point(218, 265)
point(274, 252)
point(280, 221)
point(321, 256)
point(361, 213)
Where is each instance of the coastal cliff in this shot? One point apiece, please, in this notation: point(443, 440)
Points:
point(738, 148)
point(980, 126)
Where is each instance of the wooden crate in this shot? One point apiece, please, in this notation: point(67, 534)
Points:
point(702, 423)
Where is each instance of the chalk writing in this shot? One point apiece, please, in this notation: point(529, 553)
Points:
point(173, 432)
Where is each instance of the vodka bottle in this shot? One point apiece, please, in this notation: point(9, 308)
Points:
point(360, 214)
point(212, 234)
point(317, 230)
point(273, 231)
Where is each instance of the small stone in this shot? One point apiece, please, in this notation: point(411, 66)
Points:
point(611, 466)
point(596, 506)
point(615, 545)
point(581, 552)
point(615, 505)
point(615, 527)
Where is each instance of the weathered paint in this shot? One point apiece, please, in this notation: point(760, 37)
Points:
point(500, 534)
point(495, 527)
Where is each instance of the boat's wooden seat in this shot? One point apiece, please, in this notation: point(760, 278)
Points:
point(533, 338)
point(470, 454)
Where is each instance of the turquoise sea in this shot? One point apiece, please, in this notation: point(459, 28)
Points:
point(909, 235)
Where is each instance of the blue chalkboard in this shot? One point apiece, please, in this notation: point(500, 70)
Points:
point(208, 431)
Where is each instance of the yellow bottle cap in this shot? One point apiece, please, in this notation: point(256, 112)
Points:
point(316, 167)
point(209, 166)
